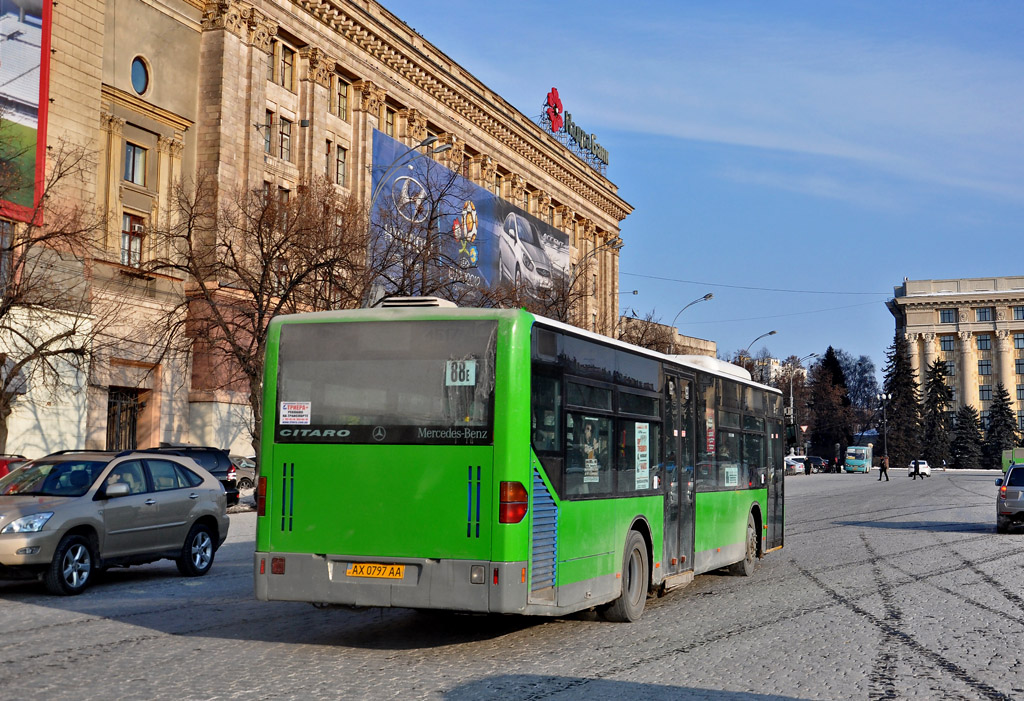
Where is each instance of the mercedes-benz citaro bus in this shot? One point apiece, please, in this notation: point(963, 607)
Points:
point(483, 460)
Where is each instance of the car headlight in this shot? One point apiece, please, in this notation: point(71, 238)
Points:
point(527, 261)
point(28, 524)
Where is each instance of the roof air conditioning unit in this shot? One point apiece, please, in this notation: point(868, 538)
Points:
point(393, 302)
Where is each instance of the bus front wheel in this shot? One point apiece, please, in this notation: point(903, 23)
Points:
point(636, 580)
point(745, 567)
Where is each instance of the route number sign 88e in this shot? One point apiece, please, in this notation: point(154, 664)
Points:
point(460, 373)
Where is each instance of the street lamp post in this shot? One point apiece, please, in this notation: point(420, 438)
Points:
point(705, 298)
point(770, 333)
point(792, 410)
point(884, 399)
point(746, 351)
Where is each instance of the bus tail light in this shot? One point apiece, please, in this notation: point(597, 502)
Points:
point(277, 565)
point(261, 497)
point(512, 502)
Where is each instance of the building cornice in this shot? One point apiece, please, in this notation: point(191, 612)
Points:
point(140, 106)
point(523, 137)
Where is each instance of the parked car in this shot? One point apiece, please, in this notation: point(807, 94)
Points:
point(214, 460)
point(245, 471)
point(922, 467)
point(72, 514)
point(1010, 499)
point(819, 464)
point(10, 462)
point(794, 464)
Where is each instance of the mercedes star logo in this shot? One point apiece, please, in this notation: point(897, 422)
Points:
point(379, 433)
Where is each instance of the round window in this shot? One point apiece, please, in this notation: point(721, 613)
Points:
point(140, 75)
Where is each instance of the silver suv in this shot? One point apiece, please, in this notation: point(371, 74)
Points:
point(1010, 499)
point(68, 515)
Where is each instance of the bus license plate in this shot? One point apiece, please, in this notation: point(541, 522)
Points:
point(370, 569)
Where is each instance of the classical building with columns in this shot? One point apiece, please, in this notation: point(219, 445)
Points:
point(976, 326)
point(265, 94)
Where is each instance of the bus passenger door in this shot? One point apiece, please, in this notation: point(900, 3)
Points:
point(776, 486)
point(677, 450)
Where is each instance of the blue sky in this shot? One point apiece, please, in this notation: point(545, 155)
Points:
point(795, 159)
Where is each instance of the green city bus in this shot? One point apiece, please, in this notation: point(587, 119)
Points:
point(486, 460)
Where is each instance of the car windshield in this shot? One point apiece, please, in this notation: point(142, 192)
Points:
point(54, 478)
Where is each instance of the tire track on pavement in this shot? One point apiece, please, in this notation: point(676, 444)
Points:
point(983, 689)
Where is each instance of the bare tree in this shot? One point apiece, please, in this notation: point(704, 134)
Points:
point(411, 251)
point(50, 322)
point(646, 332)
point(247, 257)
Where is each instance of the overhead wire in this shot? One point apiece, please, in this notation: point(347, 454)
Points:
point(747, 287)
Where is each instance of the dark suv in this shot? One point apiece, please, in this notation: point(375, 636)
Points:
point(1010, 499)
point(214, 460)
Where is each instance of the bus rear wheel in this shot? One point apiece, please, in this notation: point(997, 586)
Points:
point(636, 580)
point(745, 567)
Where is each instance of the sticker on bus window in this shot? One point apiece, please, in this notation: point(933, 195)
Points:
point(460, 373)
point(732, 476)
point(590, 471)
point(295, 413)
point(643, 464)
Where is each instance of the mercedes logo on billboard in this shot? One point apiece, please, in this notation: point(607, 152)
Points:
point(379, 433)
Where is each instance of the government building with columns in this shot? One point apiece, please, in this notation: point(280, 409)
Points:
point(976, 326)
point(264, 95)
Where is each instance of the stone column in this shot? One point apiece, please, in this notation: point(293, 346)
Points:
point(930, 353)
point(314, 101)
point(969, 370)
point(915, 354)
point(1006, 364)
point(412, 125)
point(112, 158)
point(369, 99)
point(233, 46)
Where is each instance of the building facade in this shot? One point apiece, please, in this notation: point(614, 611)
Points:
point(265, 95)
point(975, 326)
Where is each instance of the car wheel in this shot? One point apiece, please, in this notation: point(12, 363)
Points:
point(745, 567)
point(636, 580)
point(197, 553)
point(244, 483)
point(72, 567)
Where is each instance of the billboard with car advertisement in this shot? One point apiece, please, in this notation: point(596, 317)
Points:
point(485, 239)
point(24, 92)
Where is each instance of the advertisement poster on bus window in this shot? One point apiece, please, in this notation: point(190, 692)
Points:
point(710, 420)
point(24, 97)
point(484, 240)
point(643, 464)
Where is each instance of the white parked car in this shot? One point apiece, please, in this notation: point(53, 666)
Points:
point(922, 467)
point(795, 464)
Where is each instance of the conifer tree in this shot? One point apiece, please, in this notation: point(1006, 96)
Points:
point(904, 408)
point(1002, 433)
point(967, 441)
point(938, 396)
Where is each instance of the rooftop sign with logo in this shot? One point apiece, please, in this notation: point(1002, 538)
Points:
point(571, 135)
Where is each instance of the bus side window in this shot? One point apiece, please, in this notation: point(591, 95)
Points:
point(546, 420)
point(588, 465)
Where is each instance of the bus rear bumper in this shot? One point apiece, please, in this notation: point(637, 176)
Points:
point(460, 585)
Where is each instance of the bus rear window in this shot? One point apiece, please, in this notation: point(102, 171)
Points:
point(407, 382)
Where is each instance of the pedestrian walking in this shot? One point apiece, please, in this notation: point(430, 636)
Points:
point(883, 468)
point(808, 467)
point(915, 469)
